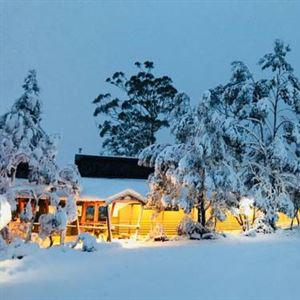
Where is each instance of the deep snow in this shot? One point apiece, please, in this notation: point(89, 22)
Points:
point(236, 267)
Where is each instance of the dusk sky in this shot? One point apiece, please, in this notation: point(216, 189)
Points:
point(76, 45)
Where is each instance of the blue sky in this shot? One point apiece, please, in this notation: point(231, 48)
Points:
point(76, 45)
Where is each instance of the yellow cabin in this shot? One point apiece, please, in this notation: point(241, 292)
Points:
point(112, 203)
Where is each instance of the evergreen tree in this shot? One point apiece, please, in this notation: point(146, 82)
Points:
point(264, 117)
point(199, 171)
point(272, 164)
point(133, 121)
point(238, 150)
point(22, 140)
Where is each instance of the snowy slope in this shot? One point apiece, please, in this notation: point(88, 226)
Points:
point(232, 268)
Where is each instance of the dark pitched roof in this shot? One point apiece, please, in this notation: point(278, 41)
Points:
point(110, 167)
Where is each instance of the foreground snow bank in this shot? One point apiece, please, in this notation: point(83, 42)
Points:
point(5, 212)
point(16, 249)
point(264, 267)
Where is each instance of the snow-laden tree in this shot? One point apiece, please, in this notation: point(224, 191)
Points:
point(130, 123)
point(238, 150)
point(200, 170)
point(22, 140)
point(274, 176)
point(265, 116)
point(20, 131)
point(233, 102)
point(164, 190)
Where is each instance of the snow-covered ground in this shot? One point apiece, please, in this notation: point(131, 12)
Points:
point(265, 267)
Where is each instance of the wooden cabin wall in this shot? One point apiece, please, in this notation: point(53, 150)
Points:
point(129, 215)
point(231, 224)
point(170, 220)
point(285, 221)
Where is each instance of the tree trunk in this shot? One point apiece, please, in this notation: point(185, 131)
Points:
point(247, 222)
point(13, 175)
point(202, 212)
point(62, 237)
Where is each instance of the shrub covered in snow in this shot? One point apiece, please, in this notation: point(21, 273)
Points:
point(157, 233)
point(190, 228)
point(53, 224)
point(87, 241)
point(261, 225)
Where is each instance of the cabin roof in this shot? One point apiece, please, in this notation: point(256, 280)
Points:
point(110, 167)
point(103, 178)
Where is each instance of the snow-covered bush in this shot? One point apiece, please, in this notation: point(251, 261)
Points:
point(244, 212)
point(262, 225)
point(157, 233)
point(87, 242)
point(53, 223)
point(27, 215)
point(190, 228)
point(195, 231)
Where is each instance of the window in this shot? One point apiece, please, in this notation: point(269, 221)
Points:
point(90, 211)
point(102, 213)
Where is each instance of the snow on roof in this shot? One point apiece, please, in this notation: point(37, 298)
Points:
point(23, 188)
point(105, 189)
point(110, 189)
point(128, 192)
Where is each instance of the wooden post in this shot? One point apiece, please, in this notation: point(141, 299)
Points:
point(77, 225)
point(47, 206)
point(62, 237)
point(112, 209)
point(130, 219)
point(83, 213)
point(139, 220)
point(96, 212)
point(21, 205)
point(109, 234)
